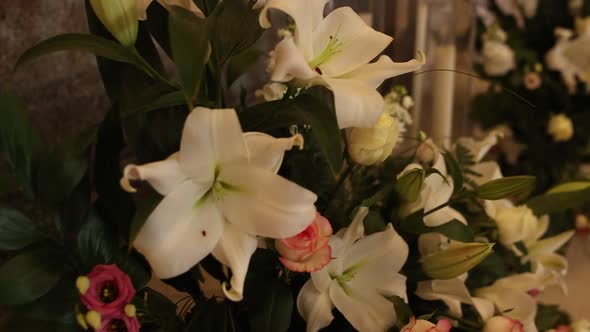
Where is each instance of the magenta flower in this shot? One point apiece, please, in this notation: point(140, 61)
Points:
point(106, 290)
point(119, 323)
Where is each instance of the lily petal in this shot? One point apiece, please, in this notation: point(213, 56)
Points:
point(211, 138)
point(489, 170)
point(163, 175)
point(290, 63)
point(263, 203)
point(315, 307)
point(452, 292)
point(359, 42)
point(365, 310)
point(267, 152)
point(354, 231)
point(357, 104)
point(234, 250)
point(551, 244)
point(375, 73)
point(307, 15)
point(178, 234)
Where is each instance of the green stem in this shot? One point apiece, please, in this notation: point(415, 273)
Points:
point(148, 69)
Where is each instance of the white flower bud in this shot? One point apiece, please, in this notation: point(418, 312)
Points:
point(120, 17)
point(503, 324)
point(370, 146)
point(498, 58)
point(271, 91)
point(561, 128)
point(426, 152)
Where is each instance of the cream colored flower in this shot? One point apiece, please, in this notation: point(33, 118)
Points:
point(571, 55)
point(498, 58)
point(119, 17)
point(370, 146)
point(560, 127)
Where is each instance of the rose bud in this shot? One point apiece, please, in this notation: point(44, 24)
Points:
point(503, 324)
point(307, 251)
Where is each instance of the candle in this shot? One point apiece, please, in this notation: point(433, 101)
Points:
point(445, 57)
point(420, 46)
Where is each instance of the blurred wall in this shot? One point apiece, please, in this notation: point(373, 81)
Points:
point(63, 91)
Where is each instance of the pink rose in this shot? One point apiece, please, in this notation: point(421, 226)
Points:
point(106, 290)
point(532, 81)
point(563, 328)
point(421, 325)
point(503, 324)
point(119, 323)
point(307, 251)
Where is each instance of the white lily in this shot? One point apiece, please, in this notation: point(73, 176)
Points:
point(543, 252)
point(487, 170)
point(571, 55)
point(511, 296)
point(335, 51)
point(363, 272)
point(221, 191)
point(436, 191)
point(142, 6)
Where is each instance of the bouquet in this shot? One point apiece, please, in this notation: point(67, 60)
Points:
point(282, 209)
point(533, 52)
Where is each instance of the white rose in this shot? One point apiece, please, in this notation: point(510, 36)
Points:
point(498, 58)
point(516, 223)
point(503, 324)
point(561, 127)
point(369, 146)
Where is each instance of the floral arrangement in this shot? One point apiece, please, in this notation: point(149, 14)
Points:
point(284, 209)
point(534, 54)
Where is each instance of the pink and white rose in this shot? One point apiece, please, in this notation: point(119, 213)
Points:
point(503, 324)
point(309, 250)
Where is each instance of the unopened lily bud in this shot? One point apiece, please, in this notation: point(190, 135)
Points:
point(119, 17)
point(561, 127)
point(456, 260)
point(370, 146)
point(503, 324)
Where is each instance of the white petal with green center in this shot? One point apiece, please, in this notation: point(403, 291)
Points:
point(290, 63)
point(177, 235)
point(358, 43)
point(234, 250)
point(163, 175)
point(266, 204)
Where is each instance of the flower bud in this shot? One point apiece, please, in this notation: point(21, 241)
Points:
point(532, 81)
point(456, 260)
point(119, 17)
point(427, 151)
point(561, 127)
point(503, 324)
point(498, 58)
point(370, 146)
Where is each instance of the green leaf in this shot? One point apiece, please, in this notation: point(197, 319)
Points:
point(402, 310)
point(550, 316)
point(171, 99)
point(505, 187)
point(211, 316)
point(48, 310)
point(569, 187)
point(235, 27)
point(8, 183)
point(96, 244)
point(135, 266)
point(270, 310)
point(30, 275)
point(79, 42)
point(240, 63)
point(189, 41)
point(16, 230)
point(455, 230)
point(456, 172)
point(410, 184)
point(144, 208)
point(20, 143)
point(556, 201)
point(315, 108)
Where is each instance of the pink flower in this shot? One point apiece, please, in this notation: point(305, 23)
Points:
point(503, 324)
point(307, 251)
point(119, 323)
point(563, 328)
point(532, 81)
point(106, 290)
point(422, 325)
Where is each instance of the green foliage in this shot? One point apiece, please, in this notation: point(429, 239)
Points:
point(30, 275)
point(315, 108)
point(410, 185)
point(16, 230)
point(559, 201)
point(454, 229)
point(403, 311)
point(505, 187)
point(189, 42)
point(549, 317)
point(455, 170)
point(96, 243)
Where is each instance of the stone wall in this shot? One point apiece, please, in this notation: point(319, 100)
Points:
point(63, 91)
